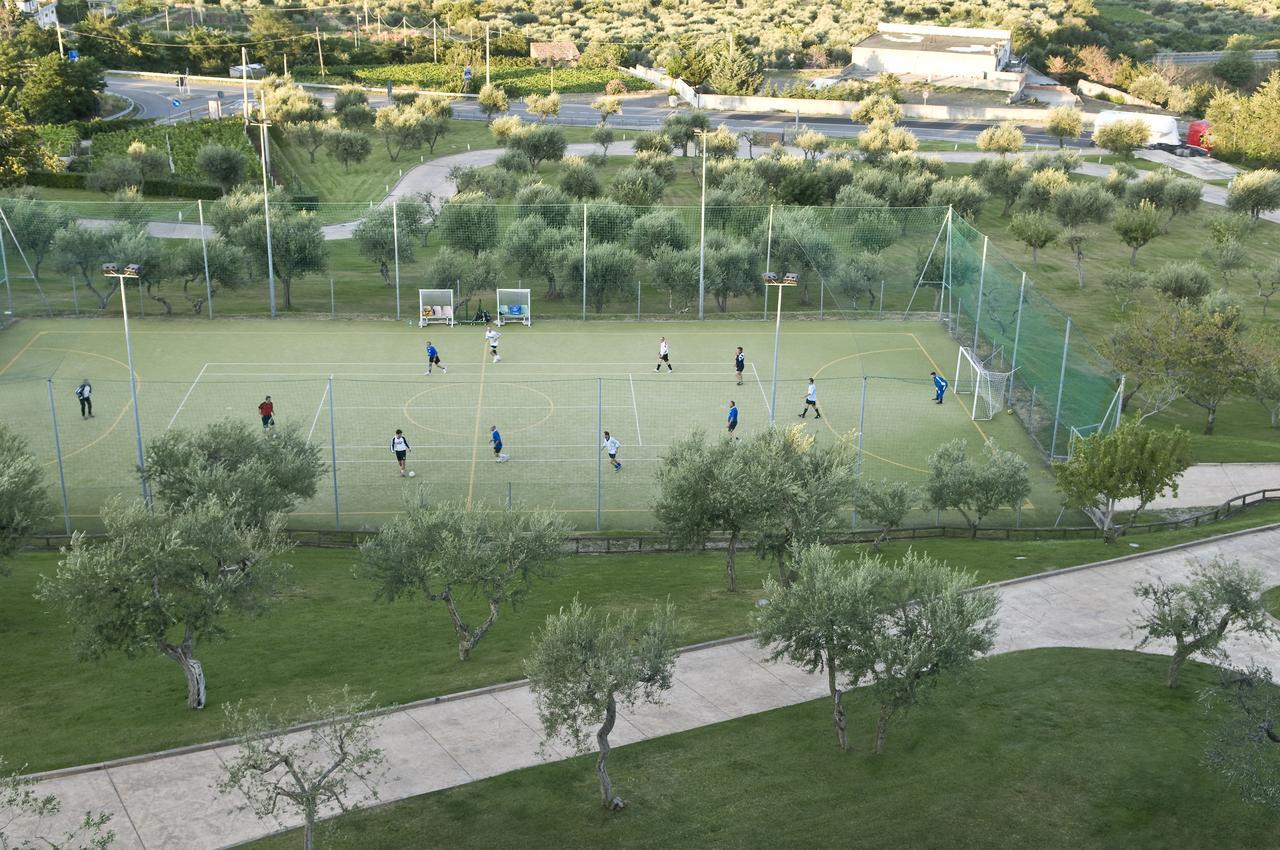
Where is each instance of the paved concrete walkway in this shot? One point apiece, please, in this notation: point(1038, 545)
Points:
point(1207, 485)
point(168, 802)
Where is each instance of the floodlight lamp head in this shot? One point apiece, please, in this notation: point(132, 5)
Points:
point(110, 269)
point(790, 279)
point(133, 270)
point(770, 278)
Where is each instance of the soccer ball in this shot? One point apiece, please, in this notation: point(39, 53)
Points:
point(412, 473)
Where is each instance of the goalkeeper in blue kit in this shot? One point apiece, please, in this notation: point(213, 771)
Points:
point(940, 384)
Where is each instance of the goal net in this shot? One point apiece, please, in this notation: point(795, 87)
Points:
point(988, 387)
point(514, 306)
point(435, 307)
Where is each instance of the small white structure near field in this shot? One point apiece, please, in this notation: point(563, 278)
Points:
point(46, 14)
point(932, 51)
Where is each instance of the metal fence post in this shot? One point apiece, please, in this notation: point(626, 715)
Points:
point(982, 281)
point(584, 272)
point(1062, 377)
point(948, 283)
point(862, 419)
point(395, 242)
point(204, 250)
point(333, 455)
point(1017, 333)
point(332, 306)
point(1119, 402)
point(4, 269)
point(599, 431)
point(57, 453)
point(637, 300)
point(75, 296)
point(768, 257)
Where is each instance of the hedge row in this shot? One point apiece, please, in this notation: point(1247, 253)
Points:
point(156, 188)
point(517, 81)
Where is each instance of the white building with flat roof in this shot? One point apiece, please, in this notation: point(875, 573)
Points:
point(931, 51)
point(46, 14)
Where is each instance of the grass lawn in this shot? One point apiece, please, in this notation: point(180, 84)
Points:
point(1049, 749)
point(370, 180)
point(1271, 599)
point(86, 203)
point(328, 632)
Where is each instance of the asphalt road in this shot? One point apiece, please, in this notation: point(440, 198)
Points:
point(155, 99)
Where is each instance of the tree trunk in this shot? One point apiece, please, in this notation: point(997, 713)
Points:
point(730, 567)
point(288, 292)
point(1080, 268)
point(1133, 258)
point(1035, 259)
point(309, 831)
point(191, 668)
point(1213, 415)
point(1175, 667)
point(783, 578)
point(837, 704)
point(611, 801)
point(882, 729)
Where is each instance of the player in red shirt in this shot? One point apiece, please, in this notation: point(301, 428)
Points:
point(267, 411)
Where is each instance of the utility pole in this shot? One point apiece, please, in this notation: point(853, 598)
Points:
point(435, 49)
point(320, 52)
point(166, 16)
point(486, 54)
point(57, 27)
point(244, 84)
point(266, 209)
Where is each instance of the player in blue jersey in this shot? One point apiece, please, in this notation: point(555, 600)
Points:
point(940, 384)
point(733, 416)
point(433, 358)
point(496, 439)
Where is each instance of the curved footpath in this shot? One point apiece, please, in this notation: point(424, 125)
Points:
point(433, 178)
point(167, 799)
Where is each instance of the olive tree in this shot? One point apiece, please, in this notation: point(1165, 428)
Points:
point(309, 135)
point(287, 773)
point(23, 499)
point(1003, 139)
point(1136, 226)
point(707, 487)
point(1122, 138)
point(223, 165)
point(1065, 122)
point(1130, 462)
point(606, 106)
point(1217, 599)
point(452, 553)
point(884, 504)
point(1242, 745)
point(1254, 192)
point(493, 101)
point(585, 664)
point(1035, 230)
point(166, 579)
point(973, 489)
point(1077, 206)
point(348, 146)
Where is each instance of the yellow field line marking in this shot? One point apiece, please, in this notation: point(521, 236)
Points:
point(22, 351)
point(475, 437)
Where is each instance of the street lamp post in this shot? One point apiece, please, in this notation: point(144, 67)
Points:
point(771, 279)
point(133, 272)
point(262, 124)
point(702, 231)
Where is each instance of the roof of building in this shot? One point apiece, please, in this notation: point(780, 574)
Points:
point(964, 41)
point(560, 51)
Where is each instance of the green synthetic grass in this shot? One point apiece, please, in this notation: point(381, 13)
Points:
point(558, 386)
point(328, 632)
point(1049, 748)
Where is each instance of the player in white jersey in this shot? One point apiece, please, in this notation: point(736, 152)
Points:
point(491, 336)
point(400, 448)
point(611, 445)
point(664, 355)
point(811, 400)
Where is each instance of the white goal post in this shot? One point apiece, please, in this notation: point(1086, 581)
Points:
point(514, 306)
point(435, 307)
point(988, 388)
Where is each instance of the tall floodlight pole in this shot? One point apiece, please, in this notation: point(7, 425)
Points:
point(134, 272)
point(702, 231)
point(244, 84)
point(771, 279)
point(263, 123)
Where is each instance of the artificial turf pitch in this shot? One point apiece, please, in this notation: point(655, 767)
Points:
point(558, 385)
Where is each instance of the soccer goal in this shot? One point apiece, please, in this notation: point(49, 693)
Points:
point(514, 306)
point(988, 388)
point(435, 307)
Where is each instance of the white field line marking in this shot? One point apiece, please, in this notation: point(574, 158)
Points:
point(406, 377)
point(635, 407)
point(426, 406)
point(763, 394)
point(517, 459)
point(319, 407)
point(402, 365)
point(586, 447)
point(182, 403)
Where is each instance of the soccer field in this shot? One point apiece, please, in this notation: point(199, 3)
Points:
point(349, 385)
